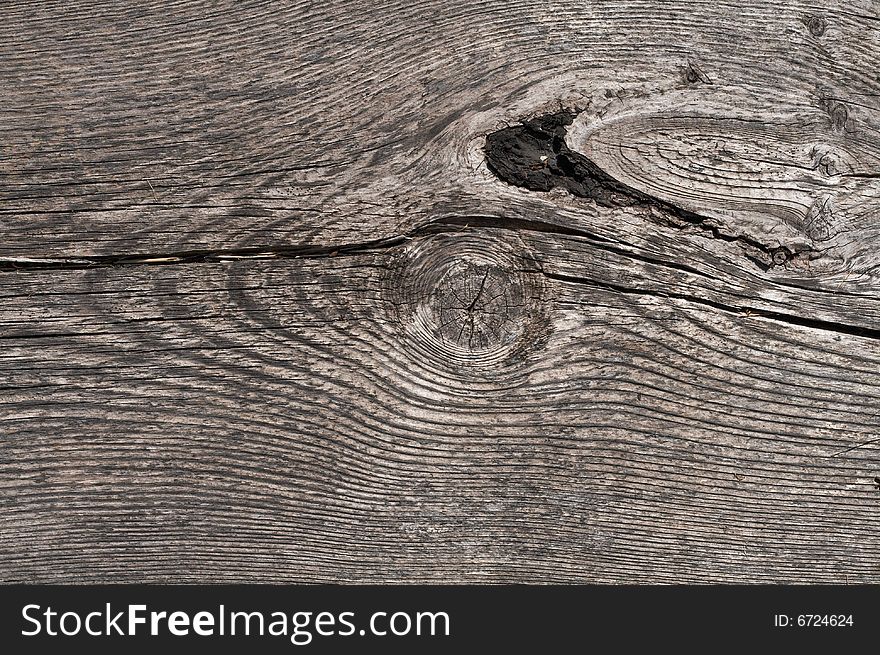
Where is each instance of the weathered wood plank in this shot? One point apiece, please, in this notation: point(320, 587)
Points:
point(433, 292)
point(315, 420)
point(147, 128)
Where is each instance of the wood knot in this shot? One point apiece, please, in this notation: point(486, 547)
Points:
point(693, 74)
point(838, 114)
point(819, 221)
point(466, 301)
point(825, 161)
point(815, 24)
point(477, 306)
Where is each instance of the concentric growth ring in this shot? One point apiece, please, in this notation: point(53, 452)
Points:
point(467, 300)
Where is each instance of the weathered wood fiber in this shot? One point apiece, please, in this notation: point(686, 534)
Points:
point(440, 292)
point(301, 420)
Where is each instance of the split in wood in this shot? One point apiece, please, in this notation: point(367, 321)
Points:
point(535, 156)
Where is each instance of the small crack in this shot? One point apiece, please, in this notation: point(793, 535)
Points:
point(854, 447)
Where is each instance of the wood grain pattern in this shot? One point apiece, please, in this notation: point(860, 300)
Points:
point(266, 314)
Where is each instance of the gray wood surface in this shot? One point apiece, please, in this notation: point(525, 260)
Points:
point(289, 292)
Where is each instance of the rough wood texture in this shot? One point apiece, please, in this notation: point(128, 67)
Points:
point(555, 292)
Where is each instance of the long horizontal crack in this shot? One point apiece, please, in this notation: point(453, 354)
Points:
point(436, 226)
point(197, 256)
point(535, 156)
point(790, 319)
point(443, 225)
